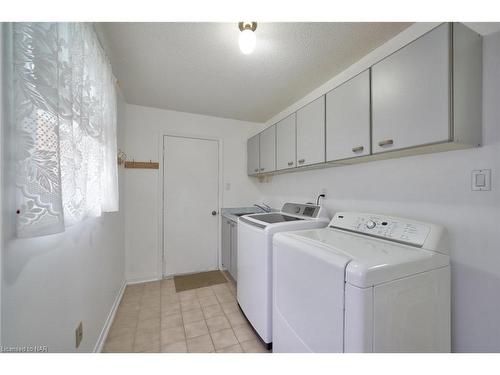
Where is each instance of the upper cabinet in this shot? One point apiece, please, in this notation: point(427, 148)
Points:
point(411, 94)
point(424, 97)
point(348, 119)
point(286, 137)
point(311, 133)
point(268, 150)
point(253, 150)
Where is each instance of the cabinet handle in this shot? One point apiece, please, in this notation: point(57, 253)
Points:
point(387, 142)
point(302, 161)
point(290, 163)
point(262, 169)
point(358, 149)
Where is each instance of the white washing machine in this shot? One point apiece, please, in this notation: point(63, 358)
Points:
point(367, 283)
point(255, 233)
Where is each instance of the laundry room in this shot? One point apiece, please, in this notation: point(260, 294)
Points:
point(180, 186)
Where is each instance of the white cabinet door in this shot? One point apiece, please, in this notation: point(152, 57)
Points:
point(411, 94)
point(233, 268)
point(268, 150)
point(311, 133)
point(253, 155)
point(348, 119)
point(285, 143)
point(226, 243)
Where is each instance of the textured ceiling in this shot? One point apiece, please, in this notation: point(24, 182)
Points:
point(198, 67)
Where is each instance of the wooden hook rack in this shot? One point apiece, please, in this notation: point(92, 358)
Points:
point(142, 164)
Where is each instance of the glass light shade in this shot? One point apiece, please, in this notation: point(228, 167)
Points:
point(247, 41)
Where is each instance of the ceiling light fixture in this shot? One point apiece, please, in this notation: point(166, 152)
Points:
point(247, 36)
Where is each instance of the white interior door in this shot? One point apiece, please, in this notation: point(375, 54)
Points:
point(190, 198)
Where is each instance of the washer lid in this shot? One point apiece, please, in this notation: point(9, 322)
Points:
point(372, 261)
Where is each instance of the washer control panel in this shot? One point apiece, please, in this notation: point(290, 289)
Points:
point(308, 210)
point(389, 228)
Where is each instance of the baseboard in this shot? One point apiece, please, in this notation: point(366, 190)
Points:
point(109, 321)
point(139, 281)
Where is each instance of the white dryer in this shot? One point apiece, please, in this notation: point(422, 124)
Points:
point(255, 234)
point(367, 283)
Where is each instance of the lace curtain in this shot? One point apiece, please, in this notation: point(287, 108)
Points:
point(64, 118)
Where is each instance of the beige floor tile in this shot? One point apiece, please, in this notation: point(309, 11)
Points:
point(167, 282)
point(151, 294)
point(147, 342)
point(152, 285)
point(244, 333)
point(168, 291)
point(200, 344)
point(151, 300)
point(231, 349)
point(219, 287)
point(192, 316)
point(230, 307)
point(212, 311)
point(131, 299)
point(117, 330)
point(129, 320)
point(187, 295)
point(119, 344)
point(196, 329)
point(224, 338)
point(236, 319)
point(171, 335)
point(171, 321)
point(204, 292)
point(152, 317)
point(128, 308)
point(134, 288)
point(233, 290)
point(218, 323)
point(208, 301)
point(175, 347)
point(174, 308)
point(169, 299)
point(190, 305)
point(148, 326)
point(253, 346)
point(149, 313)
point(226, 297)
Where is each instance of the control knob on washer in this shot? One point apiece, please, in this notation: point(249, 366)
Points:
point(370, 224)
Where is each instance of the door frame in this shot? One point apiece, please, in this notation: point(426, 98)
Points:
point(161, 248)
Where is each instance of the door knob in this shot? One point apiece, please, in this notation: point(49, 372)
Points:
point(214, 213)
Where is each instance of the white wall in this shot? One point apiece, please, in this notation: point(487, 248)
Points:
point(1, 173)
point(144, 129)
point(51, 283)
point(434, 188)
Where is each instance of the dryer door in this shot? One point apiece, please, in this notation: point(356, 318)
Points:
point(308, 296)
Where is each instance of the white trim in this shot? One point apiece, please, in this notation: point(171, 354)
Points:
point(109, 321)
point(142, 280)
point(1, 172)
point(220, 171)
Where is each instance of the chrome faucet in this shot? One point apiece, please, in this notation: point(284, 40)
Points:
point(264, 207)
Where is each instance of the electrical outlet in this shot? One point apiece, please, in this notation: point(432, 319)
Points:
point(79, 334)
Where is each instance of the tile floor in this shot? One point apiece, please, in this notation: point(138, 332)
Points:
point(153, 318)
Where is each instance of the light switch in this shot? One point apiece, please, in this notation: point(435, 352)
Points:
point(481, 180)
